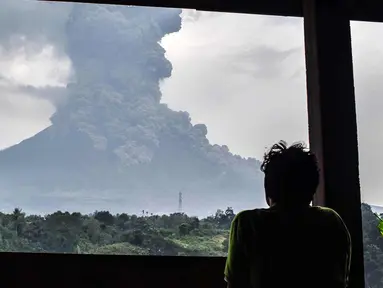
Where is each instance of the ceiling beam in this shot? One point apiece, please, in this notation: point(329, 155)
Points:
point(359, 10)
point(366, 10)
point(265, 7)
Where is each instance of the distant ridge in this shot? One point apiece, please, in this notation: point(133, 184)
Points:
point(377, 209)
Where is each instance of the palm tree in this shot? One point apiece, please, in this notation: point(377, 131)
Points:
point(18, 220)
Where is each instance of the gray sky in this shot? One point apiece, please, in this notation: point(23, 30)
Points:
point(241, 75)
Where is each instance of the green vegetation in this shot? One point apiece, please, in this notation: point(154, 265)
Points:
point(373, 248)
point(104, 233)
point(380, 223)
point(148, 234)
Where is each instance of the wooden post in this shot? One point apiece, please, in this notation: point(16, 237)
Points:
point(332, 117)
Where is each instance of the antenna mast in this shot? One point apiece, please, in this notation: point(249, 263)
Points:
point(180, 202)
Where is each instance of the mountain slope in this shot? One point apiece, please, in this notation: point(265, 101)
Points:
point(112, 142)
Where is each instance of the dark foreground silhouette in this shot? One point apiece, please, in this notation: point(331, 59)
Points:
point(291, 244)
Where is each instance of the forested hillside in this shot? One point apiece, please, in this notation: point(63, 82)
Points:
point(373, 248)
point(104, 233)
point(148, 234)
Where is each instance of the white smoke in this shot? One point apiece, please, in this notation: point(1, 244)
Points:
point(25, 72)
point(241, 75)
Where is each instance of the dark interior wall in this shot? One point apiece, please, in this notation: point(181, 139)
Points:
point(128, 271)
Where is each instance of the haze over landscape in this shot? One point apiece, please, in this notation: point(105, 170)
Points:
point(107, 113)
point(97, 105)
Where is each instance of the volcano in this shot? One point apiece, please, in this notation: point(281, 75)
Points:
point(112, 143)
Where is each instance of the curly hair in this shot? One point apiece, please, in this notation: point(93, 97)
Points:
point(291, 173)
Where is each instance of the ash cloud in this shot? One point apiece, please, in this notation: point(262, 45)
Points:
point(113, 133)
point(258, 59)
point(34, 68)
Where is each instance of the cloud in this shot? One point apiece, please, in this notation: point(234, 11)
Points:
point(368, 59)
point(40, 22)
point(33, 67)
point(243, 76)
point(20, 67)
point(30, 86)
point(21, 116)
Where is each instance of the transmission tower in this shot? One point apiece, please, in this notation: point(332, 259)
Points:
point(180, 202)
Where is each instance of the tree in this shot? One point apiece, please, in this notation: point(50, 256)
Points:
point(225, 245)
point(184, 229)
point(18, 220)
point(229, 213)
point(194, 223)
point(373, 253)
point(104, 217)
point(138, 237)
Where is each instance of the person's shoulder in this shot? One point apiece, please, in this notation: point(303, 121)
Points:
point(253, 214)
point(246, 219)
point(325, 211)
point(334, 223)
point(327, 214)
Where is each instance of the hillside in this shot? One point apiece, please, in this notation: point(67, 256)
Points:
point(112, 142)
point(148, 234)
point(122, 234)
point(377, 209)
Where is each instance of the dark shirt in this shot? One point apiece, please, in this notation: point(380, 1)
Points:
point(276, 247)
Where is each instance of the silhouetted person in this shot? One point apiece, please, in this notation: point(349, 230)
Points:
point(290, 244)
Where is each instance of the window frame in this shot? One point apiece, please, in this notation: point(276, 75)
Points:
point(324, 102)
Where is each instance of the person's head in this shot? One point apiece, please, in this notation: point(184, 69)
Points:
point(291, 174)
